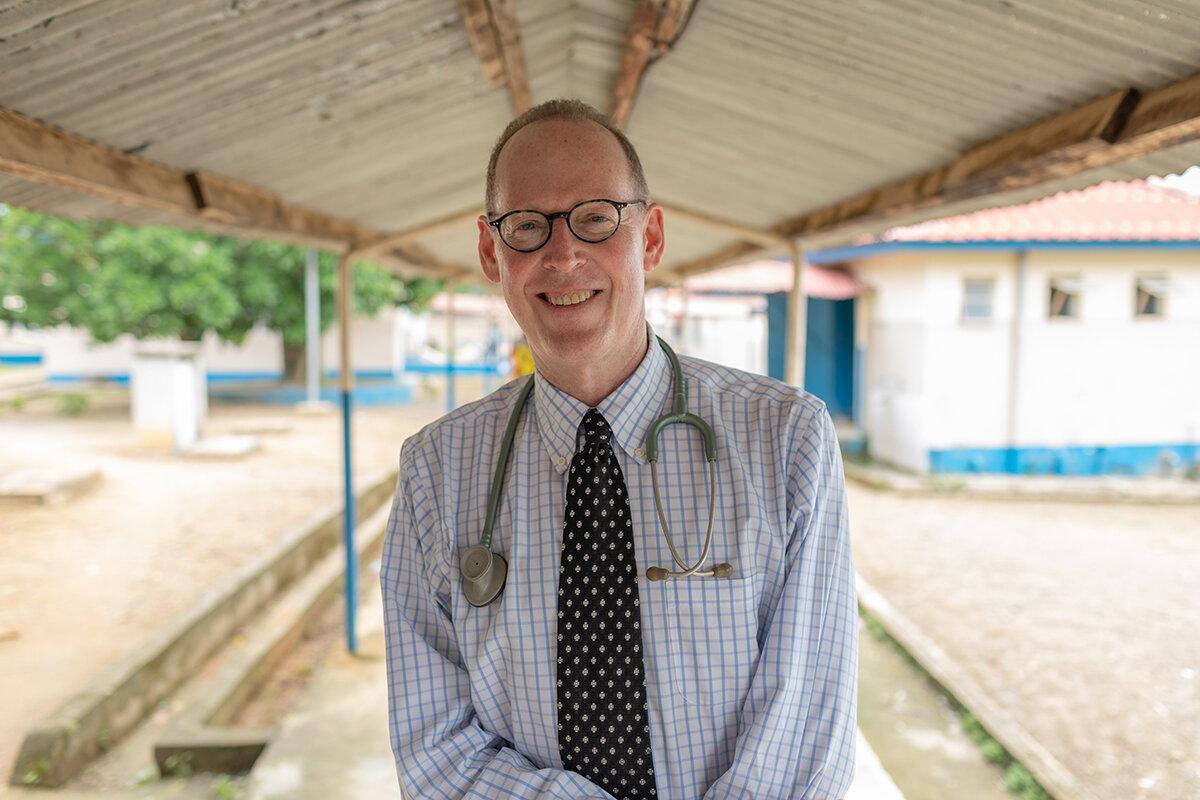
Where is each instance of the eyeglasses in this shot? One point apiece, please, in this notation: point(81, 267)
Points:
point(591, 221)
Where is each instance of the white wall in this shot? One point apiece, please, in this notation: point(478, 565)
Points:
point(70, 351)
point(1117, 379)
point(725, 329)
point(935, 381)
point(894, 406)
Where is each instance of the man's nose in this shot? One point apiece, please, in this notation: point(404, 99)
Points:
point(562, 249)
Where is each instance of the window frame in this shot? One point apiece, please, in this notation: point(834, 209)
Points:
point(1160, 296)
point(1053, 284)
point(963, 316)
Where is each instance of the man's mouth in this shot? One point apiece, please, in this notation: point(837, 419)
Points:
point(568, 298)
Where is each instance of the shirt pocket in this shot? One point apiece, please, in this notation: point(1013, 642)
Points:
point(711, 632)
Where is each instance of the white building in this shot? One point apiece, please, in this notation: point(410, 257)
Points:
point(1060, 336)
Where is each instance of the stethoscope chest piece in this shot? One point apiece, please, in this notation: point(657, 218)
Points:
point(483, 574)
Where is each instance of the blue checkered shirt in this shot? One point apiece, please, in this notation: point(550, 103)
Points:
point(750, 681)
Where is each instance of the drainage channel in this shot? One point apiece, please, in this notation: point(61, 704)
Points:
point(916, 732)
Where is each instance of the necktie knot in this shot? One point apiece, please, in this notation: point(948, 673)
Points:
point(595, 426)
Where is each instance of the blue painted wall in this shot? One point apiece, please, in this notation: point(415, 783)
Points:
point(829, 361)
point(1116, 460)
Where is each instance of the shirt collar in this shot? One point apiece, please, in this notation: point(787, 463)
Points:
point(630, 409)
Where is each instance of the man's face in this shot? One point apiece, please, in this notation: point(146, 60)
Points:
point(550, 166)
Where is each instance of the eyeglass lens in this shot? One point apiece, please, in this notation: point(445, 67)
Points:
point(592, 222)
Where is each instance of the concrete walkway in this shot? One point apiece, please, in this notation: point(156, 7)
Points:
point(334, 745)
point(1062, 488)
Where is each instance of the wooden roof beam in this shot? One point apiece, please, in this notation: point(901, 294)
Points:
point(389, 240)
point(1120, 126)
point(496, 38)
point(35, 151)
point(653, 31)
point(763, 238)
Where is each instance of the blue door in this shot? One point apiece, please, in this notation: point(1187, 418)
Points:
point(829, 361)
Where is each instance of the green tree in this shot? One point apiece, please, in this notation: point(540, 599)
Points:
point(162, 282)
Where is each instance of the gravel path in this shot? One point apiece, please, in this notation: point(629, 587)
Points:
point(1082, 620)
point(82, 585)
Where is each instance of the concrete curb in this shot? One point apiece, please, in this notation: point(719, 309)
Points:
point(118, 699)
point(1054, 777)
point(199, 737)
point(21, 382)
point(903, 485)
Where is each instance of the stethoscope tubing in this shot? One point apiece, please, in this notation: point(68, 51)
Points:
point(484, 573)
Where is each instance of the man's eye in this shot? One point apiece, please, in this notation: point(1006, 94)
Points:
point(527, 226)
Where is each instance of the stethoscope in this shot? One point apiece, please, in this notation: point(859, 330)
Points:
point(484, 572)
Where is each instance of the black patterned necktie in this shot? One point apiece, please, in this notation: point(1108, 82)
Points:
point(603, 726)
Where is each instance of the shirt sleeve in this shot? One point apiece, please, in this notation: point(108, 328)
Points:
point(441, 750)
point(796, 732)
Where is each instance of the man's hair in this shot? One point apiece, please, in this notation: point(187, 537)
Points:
point(575, 111)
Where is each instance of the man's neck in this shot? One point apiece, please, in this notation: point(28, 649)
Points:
point(592, 382)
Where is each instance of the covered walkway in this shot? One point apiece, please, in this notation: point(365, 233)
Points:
point(767, 127)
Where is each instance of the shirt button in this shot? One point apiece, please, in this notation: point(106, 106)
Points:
point(562, 462)
point(640, 452)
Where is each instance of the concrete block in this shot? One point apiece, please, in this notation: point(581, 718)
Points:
point(46, 486)
point(223, 447)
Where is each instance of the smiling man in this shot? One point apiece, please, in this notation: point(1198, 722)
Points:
point(536, 646)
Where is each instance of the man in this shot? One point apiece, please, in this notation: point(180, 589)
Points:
point(583, 678)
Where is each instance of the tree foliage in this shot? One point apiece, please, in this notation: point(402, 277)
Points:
point(162, 282)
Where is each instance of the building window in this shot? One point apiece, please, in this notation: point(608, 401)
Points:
point(1064, 296)
point(1150, 296)
point(977, 299)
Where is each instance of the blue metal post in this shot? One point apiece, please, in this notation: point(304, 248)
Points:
point(451, 343)
point(348, 526)
point(346, 376)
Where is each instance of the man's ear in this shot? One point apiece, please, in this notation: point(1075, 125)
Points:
point(487, 251)
point(653, 236)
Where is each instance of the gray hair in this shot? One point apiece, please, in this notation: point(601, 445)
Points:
point(574, 111)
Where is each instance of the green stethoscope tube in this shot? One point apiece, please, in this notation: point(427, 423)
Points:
point(502, 464)
point(484, 573)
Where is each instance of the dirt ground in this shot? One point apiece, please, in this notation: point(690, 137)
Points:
point(1081, 620)
point(83, 584)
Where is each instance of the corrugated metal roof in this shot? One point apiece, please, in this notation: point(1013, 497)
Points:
point(377, 111)
point(1112, 211)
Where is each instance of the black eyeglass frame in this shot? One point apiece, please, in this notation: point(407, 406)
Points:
point(617, 204)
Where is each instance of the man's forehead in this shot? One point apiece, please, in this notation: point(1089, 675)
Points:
point(558, 160)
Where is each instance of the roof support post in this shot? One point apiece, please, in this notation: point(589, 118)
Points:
point(797, 320)
point(312, 327)
point(451, 344)
point(346, 379)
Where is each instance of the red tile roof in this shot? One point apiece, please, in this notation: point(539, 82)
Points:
point(769, 275)
point(1109, 211)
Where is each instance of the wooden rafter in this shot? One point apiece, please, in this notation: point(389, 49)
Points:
point(496, 38)
point(390, 240)
point(655, 26)
point(37, 152)
point(1120, 126)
